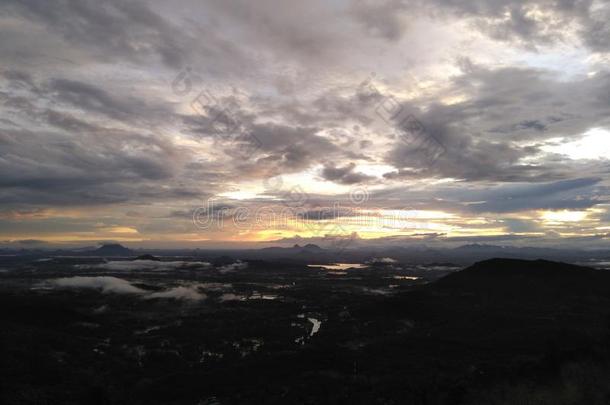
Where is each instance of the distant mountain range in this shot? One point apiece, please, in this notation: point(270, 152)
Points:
point(112, 250)
point(311, 253)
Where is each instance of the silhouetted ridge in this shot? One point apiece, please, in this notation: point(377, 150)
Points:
point(527, 276)
point(113, 249)
point(478, 246)
point(530, 268)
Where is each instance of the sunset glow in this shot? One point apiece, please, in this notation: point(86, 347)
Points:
point(427, 119)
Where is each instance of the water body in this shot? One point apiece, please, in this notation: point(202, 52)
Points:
point(405, 278)
point(340, 266)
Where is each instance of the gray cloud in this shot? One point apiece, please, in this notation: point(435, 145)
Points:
point(99, 167)
point(128, 30)
point(568, 194)
point(106, 284)
point(483, 136)
point(179, 293)
point(383, 19)
point(90, 117)
point(90, 98)
point(344, 175)
point(531, 23)
point(114, 285)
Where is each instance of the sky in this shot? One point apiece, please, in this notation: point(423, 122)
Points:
point(243, 123)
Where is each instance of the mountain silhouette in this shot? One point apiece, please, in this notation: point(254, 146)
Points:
point(113, 249)
point(527, 277)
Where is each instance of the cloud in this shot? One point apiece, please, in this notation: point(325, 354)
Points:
point(287, 149)
point(131, 30)
point(326, 213)
point(531, 23)
point(344, 175)
point(58, 169)
point(232, 297)
point(179, 293)
point(90, 98)
point(30, 242)
point(104, 283)
point(215, 286)
point(382, 260)
point(145, 265)
point(384, 19)
point(92, 127)
point(228, 268)
point(567, 194)
point(292, 30)
point(483, 137)
point(521, 225)
point(114, 285)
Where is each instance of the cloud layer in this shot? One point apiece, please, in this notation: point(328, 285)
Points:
point(114, 285)
point(120, 118)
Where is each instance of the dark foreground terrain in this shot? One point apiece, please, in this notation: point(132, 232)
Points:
point(180, 331)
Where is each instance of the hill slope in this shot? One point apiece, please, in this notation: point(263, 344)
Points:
point(527, 277)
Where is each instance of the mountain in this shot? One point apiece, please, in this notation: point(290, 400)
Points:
point(479, 247)
point(528, 277)
point(312, 248)
point(113, 249)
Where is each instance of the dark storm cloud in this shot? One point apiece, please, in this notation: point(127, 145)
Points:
point(467, 198)
point(484, 135)
point(326, 214)
point(531, 22)
point(67, 121)
point(596, 34)
point(90, 116)
point(19, 79)
point(275, 148)
point(46, 226)
point(285, 149)
point(524, 125)
point(310, 32)
point(119, 29)
point(381, 18)
point(74, 153)
point(90, 98)
point(518, 26)
point(344, 175)
point(528, 23)
point(331, 107)
point(72, 32)
point(106, 167)
point(568, 194)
